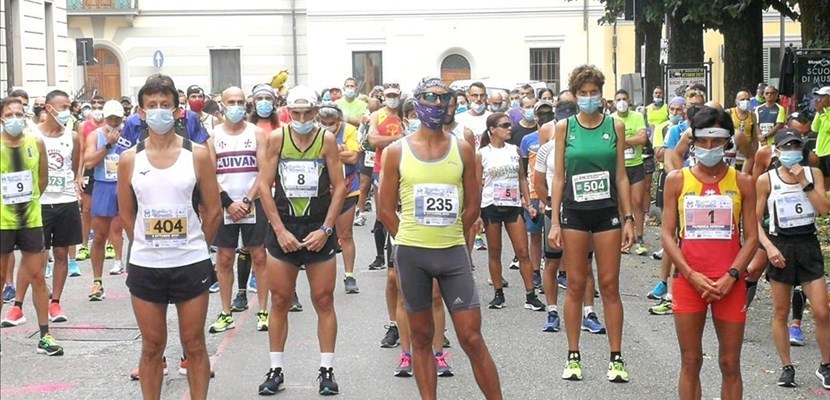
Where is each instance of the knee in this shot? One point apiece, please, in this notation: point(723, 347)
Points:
point(609, 287)
point(471, 342)
point(420, 337)
point(152, 347)
point(323, 301)
point(780, 313)
point(224, 261)
point(345, 235)
point(193, 340)
point(730, 365)
point(100, 237)
point(522, 253)
point(281, 300)
point(692, 361)
point(821, 314)
point(258, 258)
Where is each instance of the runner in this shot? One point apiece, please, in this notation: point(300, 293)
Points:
point(309, 197)
point(426, 173)
point(747, 128)
point(709, 202)
point(589, 151)
point(23, 177)
point(635, 139)
point(770, 116)
point(788, 193)
point(366, 163)
point(169, 261)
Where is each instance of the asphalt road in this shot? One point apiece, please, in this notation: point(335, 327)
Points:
point(530, 361)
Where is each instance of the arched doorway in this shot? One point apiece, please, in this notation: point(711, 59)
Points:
point(455, 67)
point(104, 78)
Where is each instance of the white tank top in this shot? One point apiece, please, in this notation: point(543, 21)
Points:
point(500, 169)
point(790, 210)
point(61, 182)
point(236, 167)
point(168, 233)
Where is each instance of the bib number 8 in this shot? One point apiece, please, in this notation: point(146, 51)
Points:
point(301, 179)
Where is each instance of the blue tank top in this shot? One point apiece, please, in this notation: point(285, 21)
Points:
point(107, 170)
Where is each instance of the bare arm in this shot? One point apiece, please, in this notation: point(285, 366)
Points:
point(639, 139)
point(472, 189)
point(388, 195)
point(375, 138)
point(762, 188)
point(540, 186)
point(209, 190)
point(523, 185)
point(623, 186)
point(817, 197)
point(750, 242)
point(267, 178)
point(674, 183)
point(335, 171)
point(763, 158)
point(126, 200)
point(92, 154)
point(557, 188)
point(43, 166)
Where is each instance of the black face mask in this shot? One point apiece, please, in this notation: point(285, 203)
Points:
point(544, 117)
point(691, 111)
point(37, 110)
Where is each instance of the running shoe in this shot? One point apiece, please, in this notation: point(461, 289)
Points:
point(109, 253)
point(392, 337)
point(83, 254)
point(183, 368)
point(662, 308)
point(351, 285)
point(14, 317)
point(617, 372)
point(48, 273)
point(368, 206)
point(537, 279)
point(134, 374)
point(274, 382)
point(377, 264)
point(96, 292)
point(214, 288)
point(625, 251)
point(659, 291)
point(498, 301)
point(404, 368)
point(591, 324)
point(657, 255)
point(640, 249)
point(442, 366)
point(823, 374)
point(796, 336)
point(240, 302)
point(504, 282)
point(533, 303)
point(262, 321)
point(56, 313)
point(573, 370)
point(328, 386)
point(787, 377)
point(296, 306)
point(117, 268)
point(252, 282)
point(74, 269)
point(223, 323)
point(562, 281)
point(8, 293)
point(359, 220)
point(553, 322)
point(47, 345)
point(213, 249)
point(479, 243)
point(515, 263)
point(446, 343)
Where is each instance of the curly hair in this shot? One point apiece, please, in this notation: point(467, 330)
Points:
point(585, 73)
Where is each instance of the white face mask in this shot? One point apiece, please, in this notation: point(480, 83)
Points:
point(743, 105)
point(622, 106)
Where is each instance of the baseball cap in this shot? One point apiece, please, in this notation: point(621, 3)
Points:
point(543, 103)
point(787, 135)
point(126, 99)
point(194, 89)
point(301, 97)
point(86, 105)
point(825, 91)
point(391, 88)
point(113, 108)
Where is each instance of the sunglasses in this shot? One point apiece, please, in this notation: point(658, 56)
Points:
point(504, 125)
point(98, 102)
point(391, 85)
point(432, 97)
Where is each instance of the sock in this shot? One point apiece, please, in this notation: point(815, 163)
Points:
point(276, 359)
point(407, 352)
point(751, 288)
point(327, 360)
point(561, 274)
point(666, 283)
point(438, 353)
point(99, 280)
point(552, 307)
point(786, 367)
point(574, 355)
point(587, 310)
point(349, 274)
point(531, 293)
point(640, 239)
point(393, 323)
point(616, 355)
point(56, 301)
point(380, 239)
point(668, 296)
point(44, 330)
point(243, 270)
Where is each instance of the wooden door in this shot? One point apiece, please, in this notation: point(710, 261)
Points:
point(455, 67)
point(104, 78)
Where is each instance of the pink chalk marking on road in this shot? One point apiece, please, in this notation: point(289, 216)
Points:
point(821, 391)
point(37, 388)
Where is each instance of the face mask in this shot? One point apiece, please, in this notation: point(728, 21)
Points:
point(98, 115)
point(544, 118)
point(264, 108)
point(788, 158)
point(514, 103)
point(393, 102)
point(622, 106)
point(115, 129)
point(330, 128)
point(501, 107)
point(26, 110)
point(62, 117)
point(86, 112)
point(37, 110)
point(235, 113)
point(432, 116)
point(675, 119)
point(414, 125)
point(350, 93)
point(529, 115)
point(326, 97)
point(478, 108)
point(461, 109)
point(743, 105)
point(197, 105)
point(709, 157)
point(588, 104)
point(160, 120)
point(658, 101)
point(14, 126)
point(303, 128)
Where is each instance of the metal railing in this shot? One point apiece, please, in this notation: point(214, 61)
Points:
point(101, 6)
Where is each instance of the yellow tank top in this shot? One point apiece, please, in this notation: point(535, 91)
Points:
point(657, 116)
point(431, 195)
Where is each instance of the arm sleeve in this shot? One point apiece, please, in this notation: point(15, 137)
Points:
point(542, 159)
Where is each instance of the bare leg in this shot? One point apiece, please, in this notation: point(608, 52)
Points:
point(608, 274)
point(689, 328)
point(192, 314)
point(731, 338)
point(467, 325)
point(224, 274)
point(321, 278)
point(152, 322)
point(816, 293)
point(60, 271)
point(258, 263)
point(101, 226)
point(282, 278)
point(345, 228)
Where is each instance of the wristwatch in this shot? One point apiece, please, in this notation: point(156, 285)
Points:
point(733, 272)
point(327, 230)
point(810, 186)
point(629, 217)
point(246, 200)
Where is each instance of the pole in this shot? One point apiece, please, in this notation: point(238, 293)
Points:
point(86, 62)
point(9, 22)
point(294, 38)
point(782, 24)
point(587, 31)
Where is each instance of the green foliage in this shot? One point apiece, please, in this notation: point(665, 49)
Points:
point(710, 13)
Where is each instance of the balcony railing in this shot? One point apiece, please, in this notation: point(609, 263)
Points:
point(102, 7)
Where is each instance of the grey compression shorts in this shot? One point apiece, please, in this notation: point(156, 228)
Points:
point(418, 266)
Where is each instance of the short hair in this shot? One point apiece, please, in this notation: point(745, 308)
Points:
point(55, 93)
point(585, 73)
point(160, 80)
point(350, 79)
point(698, 86)
point(157, 87)
point(166, 79)
point(210, 107)
point(98, 97)
point(515, 91)
point(622, 91)
point(775, 89)
point(527, 86)
point(11, 99)
point(708, 117)
point(74, 103)
point(478, 85)
point(657, 87)
point(19, 93)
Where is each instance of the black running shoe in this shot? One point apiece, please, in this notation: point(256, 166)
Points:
point(274, 382)
point(823, 373)
point(328, 386)
point(240, 302)
point(787, 378)
point(498, 301)
point(533, 303)
point(392, 337)
point(377, 264)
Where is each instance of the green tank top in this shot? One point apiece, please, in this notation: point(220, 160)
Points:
point(304, 189)
point(432, 194)
point(19, 190)
point(590, 166)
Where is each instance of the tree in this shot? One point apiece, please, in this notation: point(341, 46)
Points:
point(743, 39)
point(815, 23)
point(685, 30)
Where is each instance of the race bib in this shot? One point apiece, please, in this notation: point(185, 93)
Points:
point(300, 179)
point(506, 193)
point(765, 127)
point(629, 153)
point(250, 218)
point(111, 166)
point(17, 187)
point(592, 186)
point(708, 217)
point(369, 159)
point(436, 204)
point(794, 209)
point(57, 182)
point(165, 226)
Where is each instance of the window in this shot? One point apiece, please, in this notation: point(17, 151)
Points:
point(544, 66)
point(224, 69)
point(455, 67)
point(772, 63)
point(49, 35)
point(367, 68)
point(13, 21)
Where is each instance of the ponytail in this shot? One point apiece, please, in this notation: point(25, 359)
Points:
point(485, 139)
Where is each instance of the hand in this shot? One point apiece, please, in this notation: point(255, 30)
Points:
point(80, 185)
point(112, 136)
point(341, 148)
point(478, 226)
point(555, 236)
point(533, 212)
point(724, 286)
point(628, 237)
point(315, 240)
point(798, 172)
point(705, 286)
point(288, 242)
point(238, 210)
point(775, 257)
point(761, 137)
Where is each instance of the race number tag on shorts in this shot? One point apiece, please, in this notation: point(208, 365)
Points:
point(165, 226)
point(765, 127)
point(629, 153)
point(794, 210)
point(592, 186)
point(708, 217)
point(111, 166)
point(506, 193)
point(299, 178)
point(436, 204)
point(57, 183)
point(369, 159)
point(249, 218)
point(17, 187)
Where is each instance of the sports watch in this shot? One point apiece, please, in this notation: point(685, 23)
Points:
point(734, 273)
point(327, 230)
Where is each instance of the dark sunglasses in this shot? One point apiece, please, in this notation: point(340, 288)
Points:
point(432, 97)
point(98, 102)
point(504, 125)
point(391, 85)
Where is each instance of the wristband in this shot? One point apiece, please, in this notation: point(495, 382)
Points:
point(226, 199)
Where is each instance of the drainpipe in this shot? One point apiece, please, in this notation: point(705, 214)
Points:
point(9, 45)
point(587, 31)
point(294, 38)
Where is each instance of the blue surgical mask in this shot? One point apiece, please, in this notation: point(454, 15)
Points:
point(675, 119)
point(160, 120)
point(478, 108)
point(62, 117)
point(393, 102)
point(461, 109)
point(350, 93)
point(303, 128)
point(326, 96)
point(514, 103)
point(658, 101)
point(264, 108)
point(788, 158)
point(743, 105)
point(588, 104)
point(235, 114)
point(709, 157)
point(14, 126)
point(414, 125)
point(529, 115)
